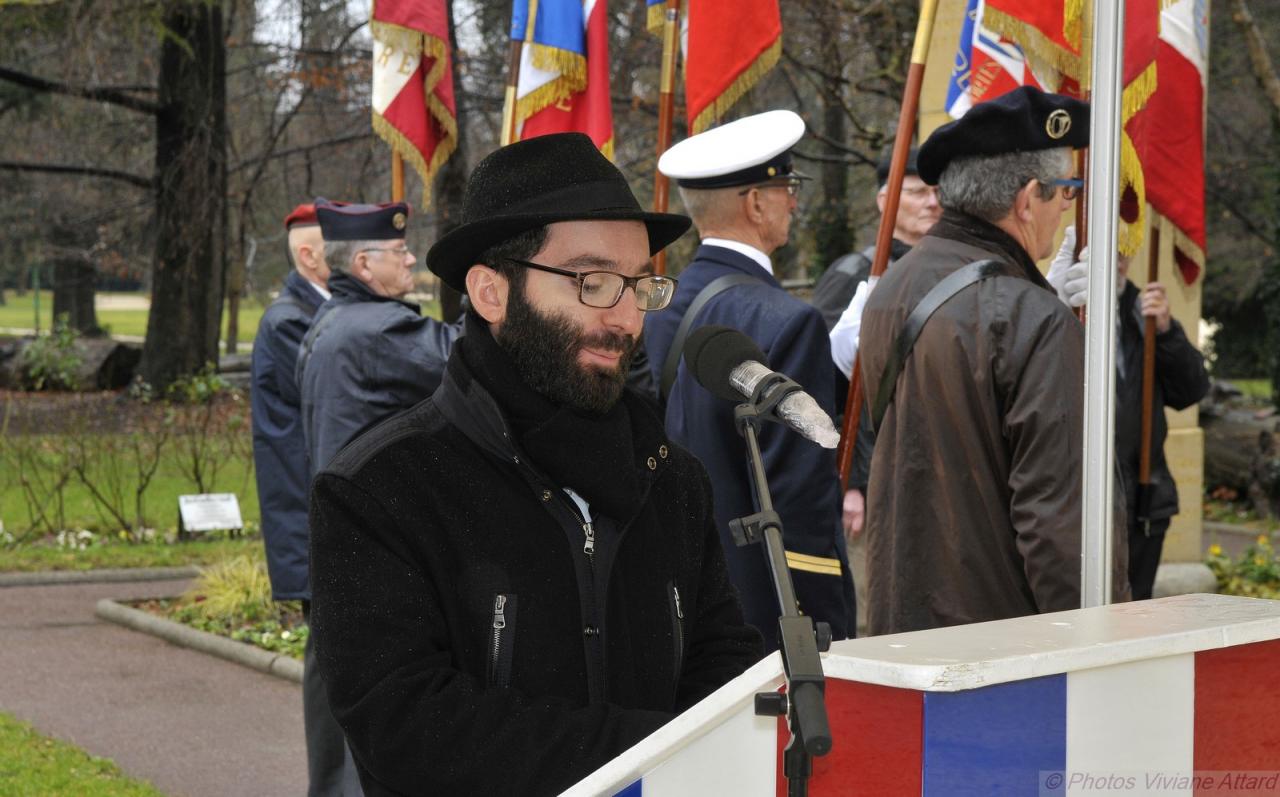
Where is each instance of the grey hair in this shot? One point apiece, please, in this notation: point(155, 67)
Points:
point(710, 207)
point(986, 186)
point(342, 254)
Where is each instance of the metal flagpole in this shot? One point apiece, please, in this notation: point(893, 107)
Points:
point(1097, 533)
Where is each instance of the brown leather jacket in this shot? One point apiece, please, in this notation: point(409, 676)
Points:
point(973, 505)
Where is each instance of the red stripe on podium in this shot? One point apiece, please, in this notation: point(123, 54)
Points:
point(877, 742)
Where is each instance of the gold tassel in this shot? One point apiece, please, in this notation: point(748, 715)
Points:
point(740, 86)
point(1131, 234)
point(607, 148)
point(1035, 43)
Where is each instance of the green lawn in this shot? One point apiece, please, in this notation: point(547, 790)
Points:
point(19, 312)
point(80, 511)
point(48, 556)
point(32, 765)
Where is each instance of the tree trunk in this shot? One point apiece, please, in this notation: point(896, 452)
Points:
point(453, 181)
point(73, 276)
point(833, 236)
point(189, 269)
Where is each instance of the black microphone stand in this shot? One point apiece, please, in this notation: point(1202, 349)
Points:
point(803, 704)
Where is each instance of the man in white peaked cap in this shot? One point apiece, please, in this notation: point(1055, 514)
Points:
point(738, 184)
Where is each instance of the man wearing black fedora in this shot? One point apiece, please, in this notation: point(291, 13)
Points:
point(521, 577)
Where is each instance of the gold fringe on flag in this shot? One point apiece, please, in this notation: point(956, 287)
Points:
point(1072, 21)
point(1130, 234)
point(1033, 42)
point(1135, 95)
point(607, 148)
point(409, 40)
point(571, 66)
point(657, 18)
point(740, 86)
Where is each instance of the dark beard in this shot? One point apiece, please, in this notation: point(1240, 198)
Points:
point(545, 351)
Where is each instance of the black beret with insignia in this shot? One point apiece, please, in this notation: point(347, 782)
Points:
point(341, 221)
point(1024, 120)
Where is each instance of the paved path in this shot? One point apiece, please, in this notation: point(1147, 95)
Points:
point(193, 725)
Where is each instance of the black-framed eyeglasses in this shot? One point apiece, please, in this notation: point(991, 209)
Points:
point(1071, 186)
point(790, 183)
point(603, 289)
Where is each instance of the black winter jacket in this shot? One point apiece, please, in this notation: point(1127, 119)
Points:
point(1181, 381)
point(468, 642)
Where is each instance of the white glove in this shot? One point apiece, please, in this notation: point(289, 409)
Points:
point(1068, 276)
point(845, 334)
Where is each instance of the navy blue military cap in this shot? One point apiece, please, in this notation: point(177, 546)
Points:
point(342, 221)
point(1024, 120)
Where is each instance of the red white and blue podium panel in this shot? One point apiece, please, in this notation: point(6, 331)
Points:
point(1171, 696)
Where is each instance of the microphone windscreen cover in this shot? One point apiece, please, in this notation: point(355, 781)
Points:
point(712, 352)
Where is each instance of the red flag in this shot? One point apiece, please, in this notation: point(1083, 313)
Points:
point(1047, 30)
point(590, 110)
point(1175, 115)
point(731, 44)
point(413, 105)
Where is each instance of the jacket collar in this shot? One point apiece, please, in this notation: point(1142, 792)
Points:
point(298, 287)
point(467, 405)
point(347, 288)
point(734, 260)
point(962, 227)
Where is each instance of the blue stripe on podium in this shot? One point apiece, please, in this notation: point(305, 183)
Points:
point(997, 740)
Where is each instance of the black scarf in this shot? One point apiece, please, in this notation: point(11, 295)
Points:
point(593, 455)
point(957, 226)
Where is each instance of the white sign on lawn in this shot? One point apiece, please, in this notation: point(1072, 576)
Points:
point(210, 512)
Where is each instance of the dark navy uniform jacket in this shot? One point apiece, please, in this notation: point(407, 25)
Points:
point(365, 358)
point(802, 475)
point(279, 452)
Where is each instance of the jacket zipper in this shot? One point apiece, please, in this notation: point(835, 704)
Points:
point(677, 629)
point(501, 640)
point(592, 631)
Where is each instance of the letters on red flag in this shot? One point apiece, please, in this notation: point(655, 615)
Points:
point(413, 104)
point(731, 44)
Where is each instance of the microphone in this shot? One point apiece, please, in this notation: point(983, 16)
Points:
point(730, 365)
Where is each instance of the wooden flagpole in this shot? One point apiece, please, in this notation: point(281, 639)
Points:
point(397, 176)
point(513, 72)
point(1148, 374)
point(666, 115)
point(884, 239)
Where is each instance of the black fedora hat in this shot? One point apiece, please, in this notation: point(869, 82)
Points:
point(529, 184)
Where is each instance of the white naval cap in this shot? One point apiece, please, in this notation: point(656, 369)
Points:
point(743, 152)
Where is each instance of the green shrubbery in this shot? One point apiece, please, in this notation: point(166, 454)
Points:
point(50, 362)
point(232, 598)
point(1256, 574)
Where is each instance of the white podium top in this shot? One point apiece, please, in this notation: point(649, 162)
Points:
point(981, 654)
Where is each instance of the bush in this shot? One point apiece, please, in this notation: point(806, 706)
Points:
point(1256, 574)
point(233, 599)
point(51, 362)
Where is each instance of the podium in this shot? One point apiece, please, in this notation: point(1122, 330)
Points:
point(1178, 695)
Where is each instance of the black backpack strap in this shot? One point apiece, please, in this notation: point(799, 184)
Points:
point(939, 295)
point(716, 286)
